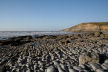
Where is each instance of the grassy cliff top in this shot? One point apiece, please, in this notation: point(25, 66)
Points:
point(98, 23)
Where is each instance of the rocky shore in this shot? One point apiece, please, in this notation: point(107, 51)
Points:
point(86, 52)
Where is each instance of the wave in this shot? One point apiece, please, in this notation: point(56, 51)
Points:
point(6, 34)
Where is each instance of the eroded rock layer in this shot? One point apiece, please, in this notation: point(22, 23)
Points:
point(88, 27)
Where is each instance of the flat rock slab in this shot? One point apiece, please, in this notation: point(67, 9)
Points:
point(88, 58)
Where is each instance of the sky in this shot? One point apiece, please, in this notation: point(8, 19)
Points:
point(50, 15)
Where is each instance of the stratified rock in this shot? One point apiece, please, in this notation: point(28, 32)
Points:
point(60, 69)
point(62, 66)
point(88, 58)
point(95, 66)
point(105, 66)
point(55, 63)
point(88, 27)
point(82, 66)
point(100, 70)
point(25, 55)
point(106, 61)
point(77, 68)
point(97, 34)
point(72, 70)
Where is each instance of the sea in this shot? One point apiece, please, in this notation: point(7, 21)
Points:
point(7, 34)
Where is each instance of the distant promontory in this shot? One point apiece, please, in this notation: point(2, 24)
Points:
point(88, 27)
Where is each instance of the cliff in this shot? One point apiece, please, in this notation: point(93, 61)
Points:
point(88, 27)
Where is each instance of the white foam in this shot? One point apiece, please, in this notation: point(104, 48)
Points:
point(7, 34)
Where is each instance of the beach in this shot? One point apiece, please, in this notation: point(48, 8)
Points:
point(80, 52)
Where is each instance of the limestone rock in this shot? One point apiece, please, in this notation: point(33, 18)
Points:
point(88, 27)
point(106, 61)
point(105, 66)
point(51, 69)
point(88, 58)
point(100, 70)
point(72, 70)
point(95, 66)
point(97, 34)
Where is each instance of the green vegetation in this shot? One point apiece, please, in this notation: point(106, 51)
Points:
point(99, 23)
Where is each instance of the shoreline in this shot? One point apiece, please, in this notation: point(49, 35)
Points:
point(4, 35)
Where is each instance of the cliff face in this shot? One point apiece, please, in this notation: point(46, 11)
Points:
point(88, 27)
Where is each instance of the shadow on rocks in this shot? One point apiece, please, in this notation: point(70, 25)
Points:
point(2, 69)
point(15, 41)
point(102, 58)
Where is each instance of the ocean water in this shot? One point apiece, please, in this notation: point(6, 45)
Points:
point(7, 34)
